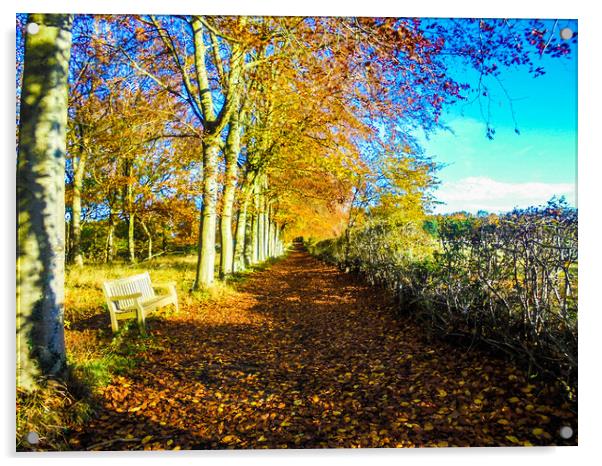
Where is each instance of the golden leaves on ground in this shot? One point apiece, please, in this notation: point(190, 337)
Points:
point(280, 366)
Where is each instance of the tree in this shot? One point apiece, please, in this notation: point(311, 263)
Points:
point(129, 132)
point(40, 199)
point(188, 53)
point(232, 151)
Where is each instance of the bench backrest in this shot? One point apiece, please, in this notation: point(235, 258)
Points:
point(135, 284)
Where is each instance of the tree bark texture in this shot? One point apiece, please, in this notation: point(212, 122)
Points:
point(41, 200)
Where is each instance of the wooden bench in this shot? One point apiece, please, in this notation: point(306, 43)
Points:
point(135, 297)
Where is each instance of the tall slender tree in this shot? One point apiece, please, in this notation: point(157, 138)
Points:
point(41, 199)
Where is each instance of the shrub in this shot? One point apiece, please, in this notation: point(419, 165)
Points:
point(509, 281)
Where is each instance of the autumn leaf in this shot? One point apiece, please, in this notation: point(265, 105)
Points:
point(302, 408)
point(229, 439)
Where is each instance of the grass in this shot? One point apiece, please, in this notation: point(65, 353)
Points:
point(94, 354)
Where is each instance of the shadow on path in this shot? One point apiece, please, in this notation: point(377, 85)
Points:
point(305, 356)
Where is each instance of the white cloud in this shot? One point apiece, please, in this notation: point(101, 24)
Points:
point(481, 193)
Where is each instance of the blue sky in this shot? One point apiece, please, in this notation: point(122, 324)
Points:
point(511, 170)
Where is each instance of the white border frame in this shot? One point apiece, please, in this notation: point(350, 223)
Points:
point(589, 196)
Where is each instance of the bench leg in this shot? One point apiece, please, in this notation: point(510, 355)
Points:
point(114, 324)
point(141, 320)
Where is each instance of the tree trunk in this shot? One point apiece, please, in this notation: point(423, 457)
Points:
point(255, 226)
point(260, 228)
point(109, 248)
point(241, 232)
point(270, 243)
point(129, 208)
point(111, 225)
point(248, 249)
point(41, 200)
point(75, 254)
point(253, 250)
point(266, 224)
point(271, 239)
point(67, 238)
point(231, 157)
point(131, 238)
point(265, 220)
point(149, 237)
point(267, 231)
point(206, 256)
point(280, 242)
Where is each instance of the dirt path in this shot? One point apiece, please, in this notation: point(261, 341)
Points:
point(306, 357)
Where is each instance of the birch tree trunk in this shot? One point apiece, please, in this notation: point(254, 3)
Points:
point(276, 239)
point(241, 233)
point(271, 240)
point(270, 244)
point(254, 236)
point(206, 259)
point(231, 157)
point(280, 242)
point(75, 254)
point(255, 226)
point(266, 224)
point(149, 238)
point(261, 228)
point(213, 125)
point(129, 208)
point(249, 241)
point(111, 224)
point(266, 219)
point(41, 200)
point(131, 238)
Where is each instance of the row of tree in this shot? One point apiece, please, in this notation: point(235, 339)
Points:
point(237, 131)
point(260, 122)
